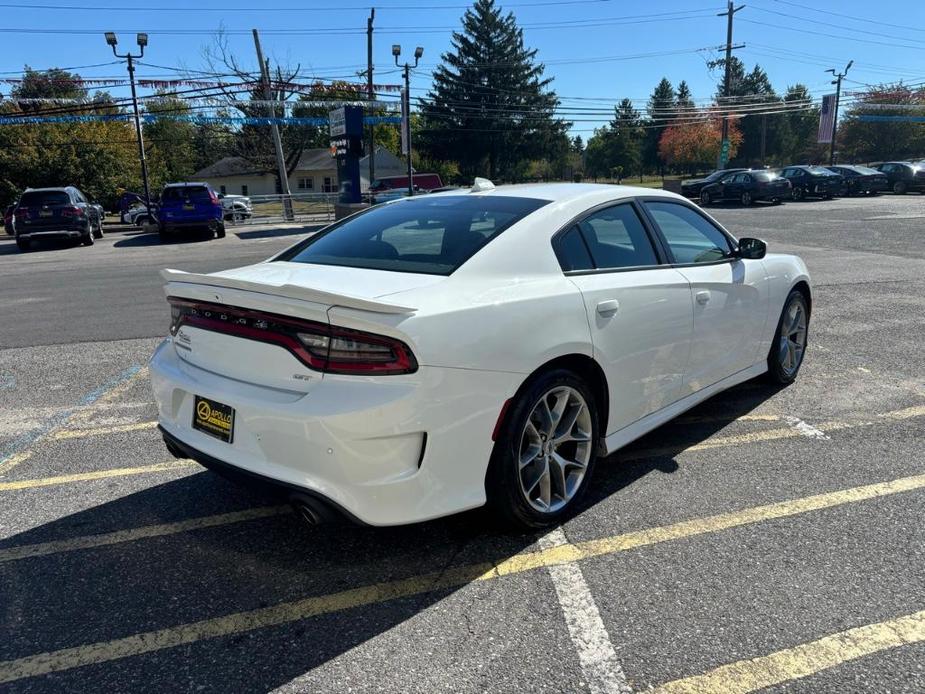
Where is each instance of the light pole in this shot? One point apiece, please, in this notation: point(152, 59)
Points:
point(418, 52)
point(837, 81)
point(142, 42)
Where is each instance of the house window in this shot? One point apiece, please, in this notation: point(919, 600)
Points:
point(306, 184)
point(221, 189)
point(329, 186)
point(243, 190)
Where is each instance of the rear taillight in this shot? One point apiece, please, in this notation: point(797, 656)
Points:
point(71, 212)
point(319, 346)
point(214, 198)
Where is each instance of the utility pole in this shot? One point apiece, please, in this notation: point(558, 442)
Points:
point(142, 42)
point(836, 81)
point(418, 52)
point(729, 13)
point(274, 129)
point(370, 93)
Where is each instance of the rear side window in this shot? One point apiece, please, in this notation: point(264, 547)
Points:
point(39, 198)
point(572, 251)
point(617, 239)
point(691, 237)
point(428, 234)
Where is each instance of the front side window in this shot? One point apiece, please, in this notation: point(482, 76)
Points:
point(430, 235)
point(691, 237)
point(616, 238)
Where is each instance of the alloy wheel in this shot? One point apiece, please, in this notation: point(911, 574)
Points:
point(792, 338)
point(705, 198)
point(746, 198)
point(555, 449)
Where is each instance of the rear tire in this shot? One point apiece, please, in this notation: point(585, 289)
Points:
point(785, 357)
point(162, 233)
point(220, 231)
point(87, 240)
point(797, 194)
point(900, 188)
point(559, 450)
point(25, 245)
point(705, 198)
point(98, 232)
point(746, 199)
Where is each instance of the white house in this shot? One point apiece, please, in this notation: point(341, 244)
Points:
point(316, 172)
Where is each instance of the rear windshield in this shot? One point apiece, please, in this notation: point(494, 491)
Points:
point(196, 193)
point(39, 198)
point(430, 235)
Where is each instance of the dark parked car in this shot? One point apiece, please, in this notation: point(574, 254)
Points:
point(812, 181)
point(746, 187)
point(190, 206)
point(61, 213)
point(8, 219)
point(691, 187)
point(860, 180)
point(903, 176)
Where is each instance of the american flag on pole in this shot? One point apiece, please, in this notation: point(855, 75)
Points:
point(826, 118)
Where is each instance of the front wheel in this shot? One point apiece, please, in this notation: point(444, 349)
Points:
point(789, 345)
point(797, 194)
point(545, 454)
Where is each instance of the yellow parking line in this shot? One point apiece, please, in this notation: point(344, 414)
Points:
point(140, 533)
point(13, 461)
point(147, 642)
point(803, 660)
point(99, 431)
point(97, 475)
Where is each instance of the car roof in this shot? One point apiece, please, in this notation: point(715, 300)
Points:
point(183, 185)
point(62, 189)
point(563, 192)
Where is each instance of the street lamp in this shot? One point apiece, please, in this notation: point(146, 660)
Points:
point(142, 40)
point(418, 52)
point(838, 78)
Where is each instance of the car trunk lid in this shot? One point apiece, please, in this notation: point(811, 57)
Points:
point(247, 321)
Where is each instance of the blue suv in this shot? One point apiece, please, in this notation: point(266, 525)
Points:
point(190, 206)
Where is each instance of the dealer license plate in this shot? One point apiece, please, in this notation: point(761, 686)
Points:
point(213, 418)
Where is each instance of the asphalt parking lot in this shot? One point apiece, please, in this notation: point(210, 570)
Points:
point(768, 540)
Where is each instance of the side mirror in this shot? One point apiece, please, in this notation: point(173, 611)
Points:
point(751, 249)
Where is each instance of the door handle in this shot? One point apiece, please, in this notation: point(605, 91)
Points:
point(703, 297)
point(609, 307)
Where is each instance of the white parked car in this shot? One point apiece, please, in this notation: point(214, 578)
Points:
point(439, 352)
point(237, 207)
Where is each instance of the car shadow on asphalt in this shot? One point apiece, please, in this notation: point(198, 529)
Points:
point(72, 598)
point(146, 238)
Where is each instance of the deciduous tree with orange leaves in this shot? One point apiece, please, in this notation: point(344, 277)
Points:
point(697, 142)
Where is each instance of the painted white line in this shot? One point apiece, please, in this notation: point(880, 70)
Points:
point(805, 429)
point(599, 664)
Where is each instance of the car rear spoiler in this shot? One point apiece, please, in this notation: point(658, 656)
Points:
point(290, 291)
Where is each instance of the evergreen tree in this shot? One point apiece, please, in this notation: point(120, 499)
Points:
point(683, 100)
point(625, 148)
point(659, 109)
point(490, 108)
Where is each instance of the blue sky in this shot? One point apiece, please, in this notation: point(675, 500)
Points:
point(584, 43)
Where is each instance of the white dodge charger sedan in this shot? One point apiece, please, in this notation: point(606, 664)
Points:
point(441, 352)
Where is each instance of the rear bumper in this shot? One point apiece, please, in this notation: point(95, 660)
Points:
point(390, 450)
point(35, 234)
point(180, 224)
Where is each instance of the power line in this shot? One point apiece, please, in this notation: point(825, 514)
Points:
point(848, 16)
